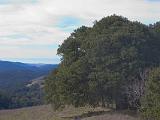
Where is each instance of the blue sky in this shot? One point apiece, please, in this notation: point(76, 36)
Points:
point(31, 30)
point(66, 21)
point(69, 23)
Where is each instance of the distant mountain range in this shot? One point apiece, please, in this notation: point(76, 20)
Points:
point(14, 75)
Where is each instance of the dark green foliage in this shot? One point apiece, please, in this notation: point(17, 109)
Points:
point(5, 101)
point(105, 64)
point(51, 90)
point(156, 27)
point(151, 99)
point(27, 96)
point(24, 97)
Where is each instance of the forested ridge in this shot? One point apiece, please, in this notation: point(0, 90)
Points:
point(14, 78)
point(113, 64)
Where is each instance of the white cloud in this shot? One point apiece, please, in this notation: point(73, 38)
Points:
point(36, 21)
point(29, 53)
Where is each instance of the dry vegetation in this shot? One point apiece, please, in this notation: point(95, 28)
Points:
point(46, 113)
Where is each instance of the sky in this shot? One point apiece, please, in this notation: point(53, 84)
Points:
point(32, 30)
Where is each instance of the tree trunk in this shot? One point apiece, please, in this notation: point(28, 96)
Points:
point(121, 105)
point(103, 102)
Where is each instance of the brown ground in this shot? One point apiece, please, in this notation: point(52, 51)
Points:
point(46, 113)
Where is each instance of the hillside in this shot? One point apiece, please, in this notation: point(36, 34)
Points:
point(14, 75)
point(22, 83)
point(46, 113)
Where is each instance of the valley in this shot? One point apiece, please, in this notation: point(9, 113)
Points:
point(22, 83)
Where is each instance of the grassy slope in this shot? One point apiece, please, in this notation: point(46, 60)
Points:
point(46, 113)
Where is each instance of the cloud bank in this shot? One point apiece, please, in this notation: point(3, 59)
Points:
point(31, 30)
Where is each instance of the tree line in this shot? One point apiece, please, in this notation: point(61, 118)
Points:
point(114, 63)
point(22, 97)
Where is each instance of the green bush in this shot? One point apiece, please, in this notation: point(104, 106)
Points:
point(151, 101)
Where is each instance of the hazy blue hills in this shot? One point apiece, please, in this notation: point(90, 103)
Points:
point(14, 75)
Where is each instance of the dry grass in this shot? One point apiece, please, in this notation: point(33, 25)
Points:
point(46, 113)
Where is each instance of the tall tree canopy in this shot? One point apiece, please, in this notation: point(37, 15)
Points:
point(107, 63)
